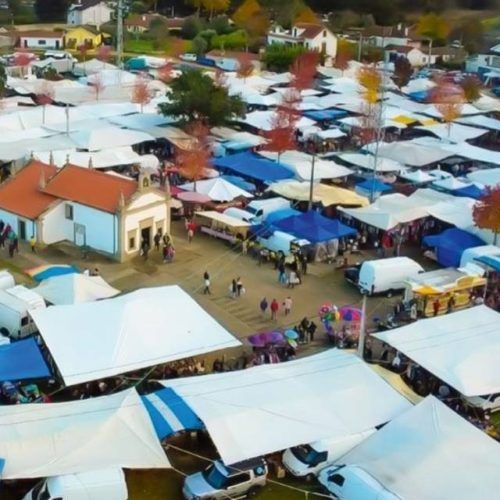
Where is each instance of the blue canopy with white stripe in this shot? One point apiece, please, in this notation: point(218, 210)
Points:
point(169, 413)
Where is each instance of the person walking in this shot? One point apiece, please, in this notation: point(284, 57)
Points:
point(303, 264)
point(145, 249)
point(190, 226)
point(33, 243)
point(274, 309)
point(233, 288)
point(281, 273)
point(156, 240)
point(206, 283)
point(263, 306)
point(239, 286)
point(287, 305)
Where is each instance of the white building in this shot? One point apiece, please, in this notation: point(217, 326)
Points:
point(382, 36)
point(417, 57)
point(311, 36)
point(108, 213)
point(90, 12)
point(39, 39)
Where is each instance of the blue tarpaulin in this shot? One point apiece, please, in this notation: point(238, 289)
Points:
point(374, 185)
point(314, 227)
point(281, 214)
point(450, 245)
point(326, 114)
point(254, 167)
point(471, 191)
point(169, 413)
point(2, 463)
point(241, 183)
point(420, 96)
point(22, 360)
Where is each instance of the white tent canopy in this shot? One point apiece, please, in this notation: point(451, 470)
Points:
point(462, 348)
point(454, 131)
point(217, 189)
point(39, 440)
point(481, 121)
point(488, 177)
point(301, 164)
point(368, 162)
point(109, 137)
point(143, 328)
point(429, 452)
point(267, 408)
point(74, 289)
point(263, 120)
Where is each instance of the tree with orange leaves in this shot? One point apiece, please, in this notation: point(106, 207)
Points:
point(166, 72)
point(282, 137)
point(486, 211)
point(220, 78)
point(22, 60)
point(304, 70)
point(245, 65)
point(448, 98)
point(103, 53)
point(344, 54)
point(141, 93)
point(194, 159)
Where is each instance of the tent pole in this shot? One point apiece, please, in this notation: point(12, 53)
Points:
point(362, 330)
point(311, 184)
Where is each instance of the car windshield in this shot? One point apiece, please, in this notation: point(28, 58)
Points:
point(214, 477)
point(305, 453)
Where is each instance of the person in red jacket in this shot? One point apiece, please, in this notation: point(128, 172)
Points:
point(274, 309)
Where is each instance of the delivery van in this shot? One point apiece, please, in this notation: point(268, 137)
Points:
point(383, 275)
point(239, 213)
point(262, 208)
point(308, 459)
point(350, 482)
point(102, 484)
point(15, 304)
point(6, 279)
point(279, 241)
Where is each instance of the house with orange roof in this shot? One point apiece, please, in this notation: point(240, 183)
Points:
point(108, 213)
point(311, 36)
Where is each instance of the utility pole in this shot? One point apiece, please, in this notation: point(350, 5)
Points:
point(362, 327)
point(119, 33)
point(360, 45)
point(430, 53)
point(311, 183)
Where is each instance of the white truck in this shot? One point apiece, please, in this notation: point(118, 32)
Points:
point(106, 484)
point(260, 209)
point(15, 304)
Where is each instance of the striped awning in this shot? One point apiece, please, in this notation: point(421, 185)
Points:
point(169, 413)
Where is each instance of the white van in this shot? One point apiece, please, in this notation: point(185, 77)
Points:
point(262, 208)
point(384, 275)
point(15, 304)
point(239, 213)
point(350, 482)
point(282, 242)
point(6, 279)
point(308, 459)
point(103, 484)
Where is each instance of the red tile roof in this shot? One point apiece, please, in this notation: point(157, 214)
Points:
point(311, 30)
point(39, 34)
point(21, 193)
point(90, 187)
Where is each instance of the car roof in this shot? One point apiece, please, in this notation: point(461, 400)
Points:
point(246, 465)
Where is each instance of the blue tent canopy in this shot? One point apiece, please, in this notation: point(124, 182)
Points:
point(169, 413)
point(471, 191)
point(281, 214)
point(450, 245)
point(420, 96)
point(241, 183)
point(22, 360)
point(2, 463)
point(254, 167)
point(314, 227)
point(492, 261)
point(325, 114)
point(374, 185)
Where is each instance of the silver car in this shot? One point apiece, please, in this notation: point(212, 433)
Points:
point(241, 480)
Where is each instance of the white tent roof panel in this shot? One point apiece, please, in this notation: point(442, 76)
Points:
point(429, 452)
point(461, 348)
point(267, 408)
point(143, 328)
point(39, 440)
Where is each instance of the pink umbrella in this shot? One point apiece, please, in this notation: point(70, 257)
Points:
point(193, 197)
point(348, 313)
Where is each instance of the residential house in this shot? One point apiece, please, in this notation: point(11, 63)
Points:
point(87, 36)
point(486, 65)
point(89, 12)
point(40, 39)
point(139, 23)
point(448, 54)
point(309, 35)
point(417, 57)
point(108, 213)
point(382, 36)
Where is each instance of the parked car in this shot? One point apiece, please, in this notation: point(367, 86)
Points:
point(489, 402)
point(218, 481)
point(350, 482)
point(308, 459)
point(188, 57)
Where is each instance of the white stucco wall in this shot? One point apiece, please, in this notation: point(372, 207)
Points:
point(41, 43)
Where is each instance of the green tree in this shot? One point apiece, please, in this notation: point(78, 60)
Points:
point(195, 97)
point(471, 86)
point(138, 7)
point(434, 27)
point(220, 24)
point(402, 72)
point(200, 45)
point(252, 18)
point(471, 32)
point(191, 27)
point(51, 10)
point(279, 57)
point(3, 80)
